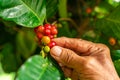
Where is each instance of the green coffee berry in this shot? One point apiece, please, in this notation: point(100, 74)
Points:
point(46, 49)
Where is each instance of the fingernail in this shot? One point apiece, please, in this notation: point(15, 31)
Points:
point(56, 51)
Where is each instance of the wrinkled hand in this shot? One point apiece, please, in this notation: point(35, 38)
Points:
point(84, 60)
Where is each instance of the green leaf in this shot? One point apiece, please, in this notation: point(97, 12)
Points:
point(117, 66)
point(25, 42)
point(66, 31)
point(28, 13)
point(8, 58)
point(110, 25)
point(38, 68)
point(51, 7)
point(114, 2)
point(115, 54)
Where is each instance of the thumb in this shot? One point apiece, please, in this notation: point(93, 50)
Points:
point(66, 57)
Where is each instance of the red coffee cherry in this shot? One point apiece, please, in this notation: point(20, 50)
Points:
point(88, 10)
point(47, 32)
point(54, 31)
point(47, 26)
point(35, 29)
point(112, 41)
point(51, 44)
point(53, 26)
point(51, 36)
point(39, 35)
point(40, 29)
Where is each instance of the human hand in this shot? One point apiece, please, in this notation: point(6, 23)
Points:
point(84, 60)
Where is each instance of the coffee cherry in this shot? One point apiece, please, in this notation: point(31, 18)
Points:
point(40, 29)
point(112, 41)
point(51, 44)
point(39, 35)
point(36, 29)
point(47, 32)
point(54, 31)
point(46, 49)
point(45, 40)
point(51, 36)
point(88, 10)
point(53, 26)
point(47, 26)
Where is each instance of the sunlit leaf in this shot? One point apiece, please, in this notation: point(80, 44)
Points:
point(110, 25)
point(117, 66)
point(28, 13)
point(38, 68)
point(51, 7)
point(115, 54)
point(25, 43)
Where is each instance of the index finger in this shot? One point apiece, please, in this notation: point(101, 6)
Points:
point(78, 45)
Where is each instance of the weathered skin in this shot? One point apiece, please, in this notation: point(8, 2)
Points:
point(84, 60)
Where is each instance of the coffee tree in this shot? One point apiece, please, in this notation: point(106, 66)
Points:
point(28, 27)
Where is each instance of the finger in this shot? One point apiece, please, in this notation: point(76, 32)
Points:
point(74, 75)
point(67, 71)
point(78, 45)
point(67, 57)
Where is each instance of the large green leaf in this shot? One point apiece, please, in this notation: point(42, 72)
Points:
point(38, 68)
point(51, 7)
point(115, 54)
point(28, 13)
point(111, 24)
point(117, 66)
point(25, 42)
point(7, 58)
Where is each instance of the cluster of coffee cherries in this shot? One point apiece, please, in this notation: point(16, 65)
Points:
point(45, 34)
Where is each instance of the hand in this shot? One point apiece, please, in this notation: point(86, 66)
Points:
point(84, 60)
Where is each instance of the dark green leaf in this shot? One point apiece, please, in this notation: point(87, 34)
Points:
point(38, 68)
point(25, 43)
point(115, 54)
point(28, 13)
point(51, 7)
point(8, 59)
point(111, 24)
point(117, 66)
point(114, 2)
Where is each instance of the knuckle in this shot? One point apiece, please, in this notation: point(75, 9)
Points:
point(103, 47)
point(64, 37)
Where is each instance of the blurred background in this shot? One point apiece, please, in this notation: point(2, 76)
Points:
point(94, 20)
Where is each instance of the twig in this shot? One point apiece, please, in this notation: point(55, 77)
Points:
point(1, 46)
point(67, 19)
point(70, 20)
point(97, 2)
point(83, 26)
point(79, 9)
point(83, 2)
point(16, 29)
